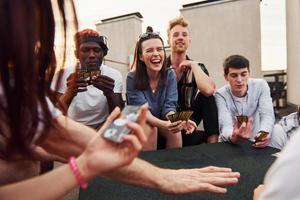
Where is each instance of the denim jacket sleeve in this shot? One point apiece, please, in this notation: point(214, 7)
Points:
point(134, 96)
point(170, 102)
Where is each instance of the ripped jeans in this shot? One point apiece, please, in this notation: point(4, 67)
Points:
point(283, 130)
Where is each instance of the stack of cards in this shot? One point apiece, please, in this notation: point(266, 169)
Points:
point(116, 130)
point(241, 119)
point(183, 115)
point(88, 74)
point(262, 135)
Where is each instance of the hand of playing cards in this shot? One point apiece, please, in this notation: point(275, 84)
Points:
point(183, 116)
point(262, 135)
point(88, 74)
point(116, 130)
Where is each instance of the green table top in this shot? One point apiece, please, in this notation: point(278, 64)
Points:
point(250, 162)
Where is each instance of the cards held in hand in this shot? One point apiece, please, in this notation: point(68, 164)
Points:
point(117, 129)
point(183, 115)
point(241, 119)
point(88, 74)
point(260, 136)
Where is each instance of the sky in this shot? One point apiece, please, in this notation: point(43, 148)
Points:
point(273, 37)
point(157, 13)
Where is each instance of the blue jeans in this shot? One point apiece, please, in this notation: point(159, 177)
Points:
point(283, 130)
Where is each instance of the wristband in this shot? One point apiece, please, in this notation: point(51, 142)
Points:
point(74, 168)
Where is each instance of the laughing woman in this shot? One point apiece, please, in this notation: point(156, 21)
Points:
point(151, 82)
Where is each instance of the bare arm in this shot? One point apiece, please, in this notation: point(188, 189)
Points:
point(181, 181)
point(156, 122)
point(70, 142)
point(140, 172)
point(46, 186)
point(114, 100)
point(98, 157)
point(205, 84)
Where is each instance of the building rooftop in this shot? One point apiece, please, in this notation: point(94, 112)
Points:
point(138, 14)
point(199, 3)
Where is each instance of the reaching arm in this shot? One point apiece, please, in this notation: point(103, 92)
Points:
point(70, 142)
point(48, 186)
point(140, 172)
point(98, 157)
point(181, 181)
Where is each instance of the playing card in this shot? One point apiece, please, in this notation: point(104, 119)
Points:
point(95, 73)
point(260, 136)
point(183, 115)
point(241, 119)
point(117, 129)
point(83, 74)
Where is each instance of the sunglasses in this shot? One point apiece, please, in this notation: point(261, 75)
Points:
point(148, 34)
point(104, 39)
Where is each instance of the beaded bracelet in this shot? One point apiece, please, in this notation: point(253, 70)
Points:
point(74, 168)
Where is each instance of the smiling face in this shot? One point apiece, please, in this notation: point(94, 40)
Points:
point(179, 39)
point(238, 80)
point(90, 55)
point(153, 54)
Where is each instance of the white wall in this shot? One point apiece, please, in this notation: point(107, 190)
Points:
point(122, 34)
point(223, 28)
point(293, 50)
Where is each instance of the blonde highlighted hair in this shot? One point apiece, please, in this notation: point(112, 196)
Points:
point(177, 21)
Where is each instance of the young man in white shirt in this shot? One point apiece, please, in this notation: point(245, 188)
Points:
point(90, 100)
point(245, 96)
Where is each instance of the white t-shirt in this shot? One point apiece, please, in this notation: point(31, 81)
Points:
point(282, 180)
point(90, 107)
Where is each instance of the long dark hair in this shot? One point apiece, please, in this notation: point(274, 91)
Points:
point(140, 79)
point(27, 65)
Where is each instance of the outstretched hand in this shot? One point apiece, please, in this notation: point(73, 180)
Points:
point(207, 179)
point(102, 156)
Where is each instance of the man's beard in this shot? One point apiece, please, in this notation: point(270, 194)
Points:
point(181, 49)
